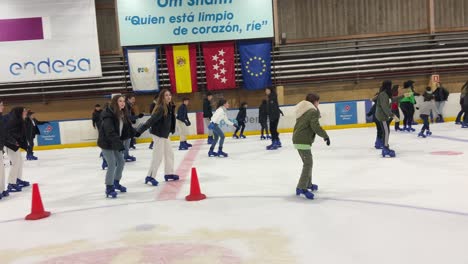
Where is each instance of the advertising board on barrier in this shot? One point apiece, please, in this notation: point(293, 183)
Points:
point(346, 113)
point(148, 22)
point(50, 134)
point(43, 40)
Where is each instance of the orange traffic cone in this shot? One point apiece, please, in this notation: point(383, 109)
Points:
point(37, 209)
point(195, 193)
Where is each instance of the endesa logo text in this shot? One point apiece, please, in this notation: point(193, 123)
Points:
point(49, 66)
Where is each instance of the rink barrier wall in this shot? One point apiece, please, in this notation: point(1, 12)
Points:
point(79, 133)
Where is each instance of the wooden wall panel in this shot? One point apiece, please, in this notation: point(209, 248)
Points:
point(451, 14)
point(107, 30)
point(315, 19)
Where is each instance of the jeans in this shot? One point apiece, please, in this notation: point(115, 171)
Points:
point(115, 162)
point(425, 119)
point(218, 134)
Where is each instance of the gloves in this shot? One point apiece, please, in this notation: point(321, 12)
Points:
point(211, 126)
point(327, 140)
point(137, 134)
point(396, 119)
point(187, 123)
point(236, 126)
point(141, 115)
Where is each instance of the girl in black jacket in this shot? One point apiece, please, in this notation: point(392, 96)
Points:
point(274, 115)
point(3, 192)
point(263, 120)
point(162, 123)
point(32, 130)
point(241, 119)
point(115, 128)
point(16, 139)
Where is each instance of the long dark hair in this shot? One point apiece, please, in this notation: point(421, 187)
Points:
point(386, 87)
point(118, 113)
point(161, 102)
point(221, 102)
point(464, 86)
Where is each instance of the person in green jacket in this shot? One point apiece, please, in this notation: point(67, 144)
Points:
point(306, 128)
point(384, 114)
point(407, 106)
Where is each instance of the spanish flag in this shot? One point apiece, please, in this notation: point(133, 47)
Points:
point(182, 65)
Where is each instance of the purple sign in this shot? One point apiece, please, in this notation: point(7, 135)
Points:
point(20, 29)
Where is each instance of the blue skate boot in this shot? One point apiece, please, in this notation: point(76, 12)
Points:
point(151, 180)
point(305, 192)
point(211, 153)
point(22, 183)
point(110, 191)
point(222, 154)
point(119, 187)
point(388, 152)
point(172, 177)
point(378, 143)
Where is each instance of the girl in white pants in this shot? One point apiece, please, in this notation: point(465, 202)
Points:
point(3, 192)
point(16, 139)
point(162, 122)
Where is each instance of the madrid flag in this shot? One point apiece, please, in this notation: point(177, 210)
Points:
point(219, 65)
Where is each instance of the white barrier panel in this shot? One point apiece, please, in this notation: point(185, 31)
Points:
point(81, 131)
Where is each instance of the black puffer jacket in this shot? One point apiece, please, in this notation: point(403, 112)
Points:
point(109, 132)
point(241, 115)
point(273, 108)
point(97, 119)
point(2, 133)
point(263, 112)
point(161, 126)
point(207, 109)
point(16, 130)
point(32, 128)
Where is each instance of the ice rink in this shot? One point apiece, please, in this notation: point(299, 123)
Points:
point(368, 210)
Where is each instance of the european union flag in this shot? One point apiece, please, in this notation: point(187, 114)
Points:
point(255, 60)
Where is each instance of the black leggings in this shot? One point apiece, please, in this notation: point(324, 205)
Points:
point(385, 125)
point(397, 113)
point(425, 119)
point(274, 129)
point(241, 126)
point(408, 113)
point(264, 128)
point(379, 127)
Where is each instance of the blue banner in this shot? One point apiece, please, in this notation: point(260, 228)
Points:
point(152, 22)
point(50, 134)
point(346, 113)
point(369, 119)
point(255, 60)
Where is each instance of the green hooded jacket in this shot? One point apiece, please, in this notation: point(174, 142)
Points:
point(307, 125)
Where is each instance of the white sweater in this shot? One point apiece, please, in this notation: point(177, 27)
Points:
point(221, 115)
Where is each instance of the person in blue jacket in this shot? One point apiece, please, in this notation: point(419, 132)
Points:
point(183, 123)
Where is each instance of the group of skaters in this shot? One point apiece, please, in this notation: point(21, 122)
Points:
point(18, 130)
point(391, 98)
point(116, 126)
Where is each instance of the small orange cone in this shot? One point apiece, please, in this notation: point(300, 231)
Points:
point(37, 209)
point(195, 193)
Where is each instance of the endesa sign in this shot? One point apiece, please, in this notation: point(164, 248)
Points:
point(43, 40)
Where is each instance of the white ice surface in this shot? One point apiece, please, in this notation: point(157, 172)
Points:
point(409, 209)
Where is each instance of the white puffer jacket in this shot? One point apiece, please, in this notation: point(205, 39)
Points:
point(221, 115)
